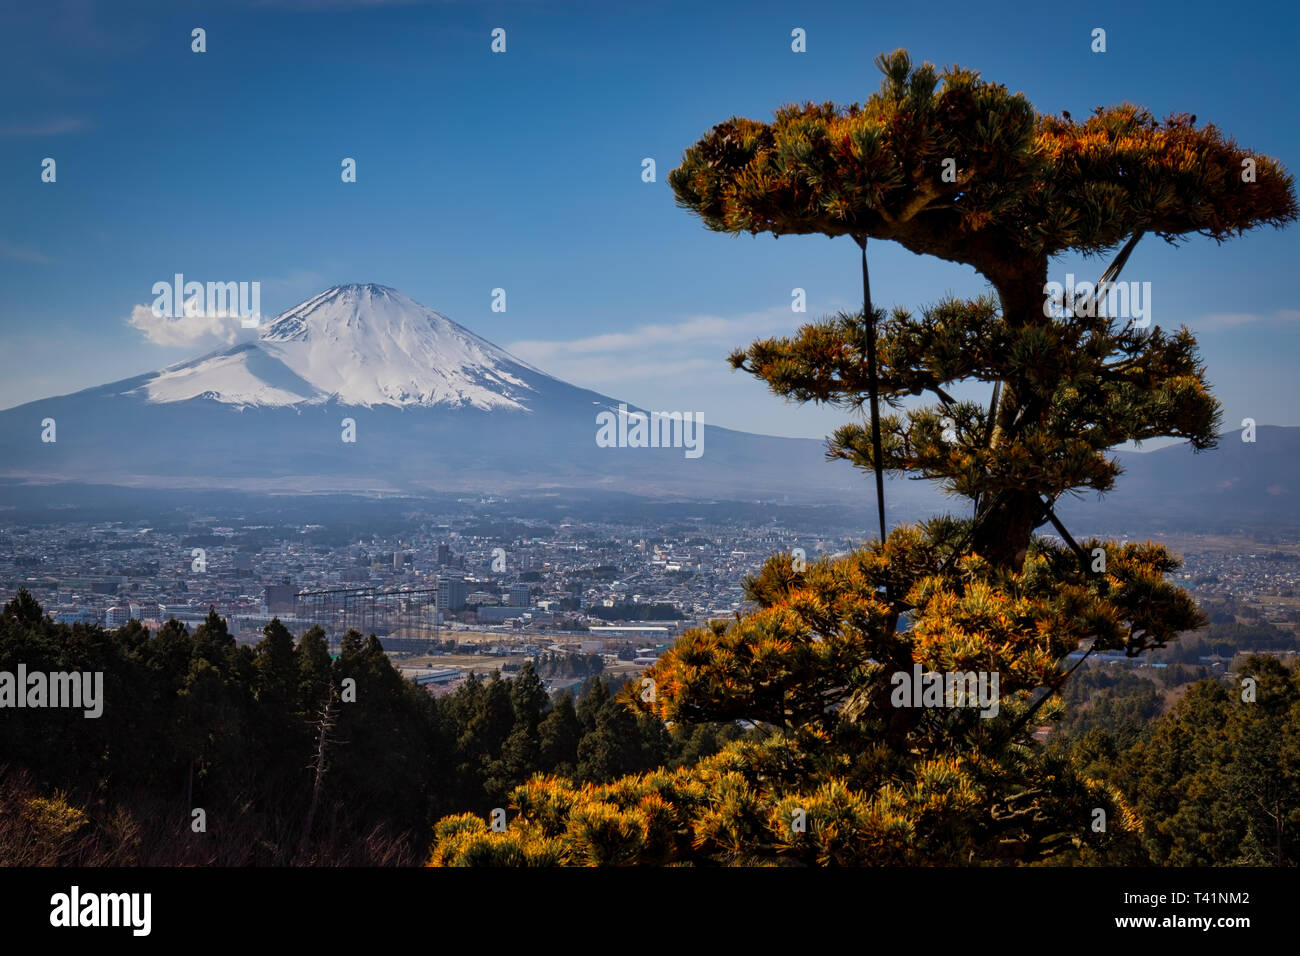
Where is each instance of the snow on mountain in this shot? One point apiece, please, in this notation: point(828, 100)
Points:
point(360, 345)
point(433, 407)
point(243, 375)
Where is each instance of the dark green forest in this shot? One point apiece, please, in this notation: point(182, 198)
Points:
point(290, 762)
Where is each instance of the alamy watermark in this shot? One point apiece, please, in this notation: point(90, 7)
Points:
point(178, 298)
point(656, 430)
point(954, 689)
point(78, 909)
point(74, 689)
point(1122, 300)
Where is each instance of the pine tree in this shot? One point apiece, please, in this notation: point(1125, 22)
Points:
point(1219, 776)
point(528, 698)
point(281, 739)
point(212, 639)
point(276, 673)
point(960, 169)
point(312, 657)
point(521, 752)
point(25, 608)
point(591, 703)
point(558, 736)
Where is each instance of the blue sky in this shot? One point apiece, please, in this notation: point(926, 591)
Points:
point(523, 171)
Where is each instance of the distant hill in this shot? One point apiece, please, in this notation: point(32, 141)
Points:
point(1236, 484)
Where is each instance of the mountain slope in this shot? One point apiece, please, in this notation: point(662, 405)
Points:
point(1237, 482)
point(362, 345)
point(437, 408)
point(433, 407)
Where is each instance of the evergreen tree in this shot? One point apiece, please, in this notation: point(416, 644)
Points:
point(528, 698)
point(24, 608)
point(312, 658)
point(282, 739)
point(558, 736)
point(212, 638)
point(1219, 777)
point(521, 752)
point(276, 687)
point(486, 734)
point(591, 703)
point(960, 169)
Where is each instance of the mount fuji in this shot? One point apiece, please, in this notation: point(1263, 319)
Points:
point(434, 407)
point(359, 345)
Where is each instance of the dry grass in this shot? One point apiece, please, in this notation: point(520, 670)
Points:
point(52, 829)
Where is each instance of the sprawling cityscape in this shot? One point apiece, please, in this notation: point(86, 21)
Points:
point(458, 592)
point(454, 585)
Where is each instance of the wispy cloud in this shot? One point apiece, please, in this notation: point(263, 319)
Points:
point(54, 127)
point(677, 339)
point(1222, 321)
point(683, 365)
point(17, 253)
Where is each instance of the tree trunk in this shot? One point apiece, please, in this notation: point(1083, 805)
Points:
point(322, 739)
point(1006, 528)
point(1007, 521)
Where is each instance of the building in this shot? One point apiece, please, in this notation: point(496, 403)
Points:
point(500, 615)
point(280, 598)
point(453, 594)
point(248, 628)
point(117, 615)
point(520, 595)
point(442, 675)
point(147, 611)
point(444, 555)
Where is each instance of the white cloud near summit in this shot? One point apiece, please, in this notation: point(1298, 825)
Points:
point(188, 331)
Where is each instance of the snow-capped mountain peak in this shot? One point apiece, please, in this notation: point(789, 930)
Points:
point(359, 345)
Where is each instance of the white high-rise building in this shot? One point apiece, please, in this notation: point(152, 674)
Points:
point(117, 615)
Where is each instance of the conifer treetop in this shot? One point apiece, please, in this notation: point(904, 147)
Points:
point(1026, 186)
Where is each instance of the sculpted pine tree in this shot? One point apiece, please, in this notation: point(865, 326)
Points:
point(852, 771)
point(961, 169)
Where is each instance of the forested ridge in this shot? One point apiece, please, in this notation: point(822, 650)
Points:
point(289, 762)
